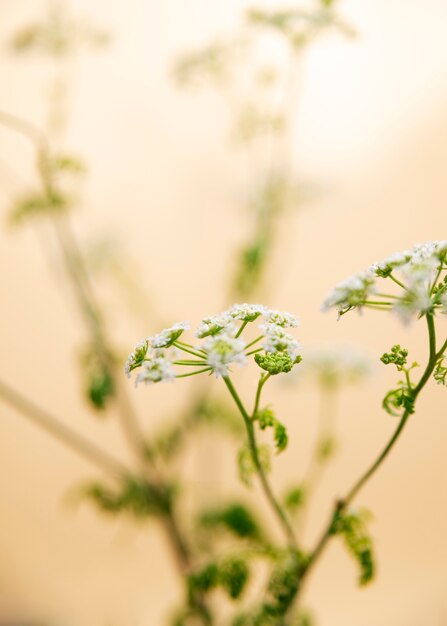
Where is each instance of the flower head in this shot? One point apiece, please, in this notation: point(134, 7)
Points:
point(222, 350)
point(156, 369)
point(214, 324)
point(159, 356)
point(246, 312)
point(136, 358)
point(281, 318)
point(168, 336)
point(276, 339)
point(417, 272)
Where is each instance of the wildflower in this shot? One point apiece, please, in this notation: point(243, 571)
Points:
point(352, 292)
point(136, 358)
point(168, 336)
point(222, 350)
point(281, 318)
point(417, 272)
point(276, 339)
point(156, 369)
point(212, 325)
point(246, 312)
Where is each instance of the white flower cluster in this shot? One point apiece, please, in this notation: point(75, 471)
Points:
point(223, 345)
point(151, 355)
point(419, 273)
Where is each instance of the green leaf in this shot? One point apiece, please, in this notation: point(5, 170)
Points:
point(352, 528)
point(246, 466)
point(266, 419)
point(231, 574)
point(294, 498)
point(135, 497)
point(98, 381)
point(235, 517)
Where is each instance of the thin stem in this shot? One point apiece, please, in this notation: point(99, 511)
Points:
point(252, 343)
point(206, 369)
point(188, 345)
point(52, 425)
point(394, 279)
point(239, 332)
point(314, 472)
point(78, 274)
point(261, 383)
point(342, 503)
point(182, 346)
point(258, 465)
point(190, 363)
point(253, 351)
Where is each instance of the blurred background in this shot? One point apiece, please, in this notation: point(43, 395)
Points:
point(163, 213)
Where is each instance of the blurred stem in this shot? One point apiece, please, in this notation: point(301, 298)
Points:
point(344, 502)
point(280, 514)
point(52, 425)
point(90, 310)
point(325, 433)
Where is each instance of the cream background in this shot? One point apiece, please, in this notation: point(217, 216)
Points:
point(372, 134)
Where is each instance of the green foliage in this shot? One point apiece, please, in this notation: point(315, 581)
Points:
point(236, 518)
point(58, 35)
point(276, 362)
point(268, 204)
point(303, 618)
point(294, 498)
point(136, 497)
point(281, 590)
point(397, 356)
point(231, 574)
point(246, 466)
point(440, 372)
point(98, 381)
point(267, 419)
point(399, 398)
point(58, 172)
point(297, 26)
point(352, 528)
point(326, 448)
point(38, 204)
point(211, 64)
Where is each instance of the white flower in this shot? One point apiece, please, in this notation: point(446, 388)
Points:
point(214, 324)
point(136, 358)
point(278, 340)
point(157, 369)
point(416, 271)
point(281, 318)
point(353, 291)
point(414, 302)
point(166, 337)
point(222, 350)
point(246, 312)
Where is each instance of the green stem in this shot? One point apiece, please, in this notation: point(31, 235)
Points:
point(261, 383)
point(182, 346)
point(239, 332)
point(52, 425)
point(394, 279)
point(253, 351)
point(252, 343)
point(342, 503)
point(205, 369)
point(190, 363)
point(258, 465)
